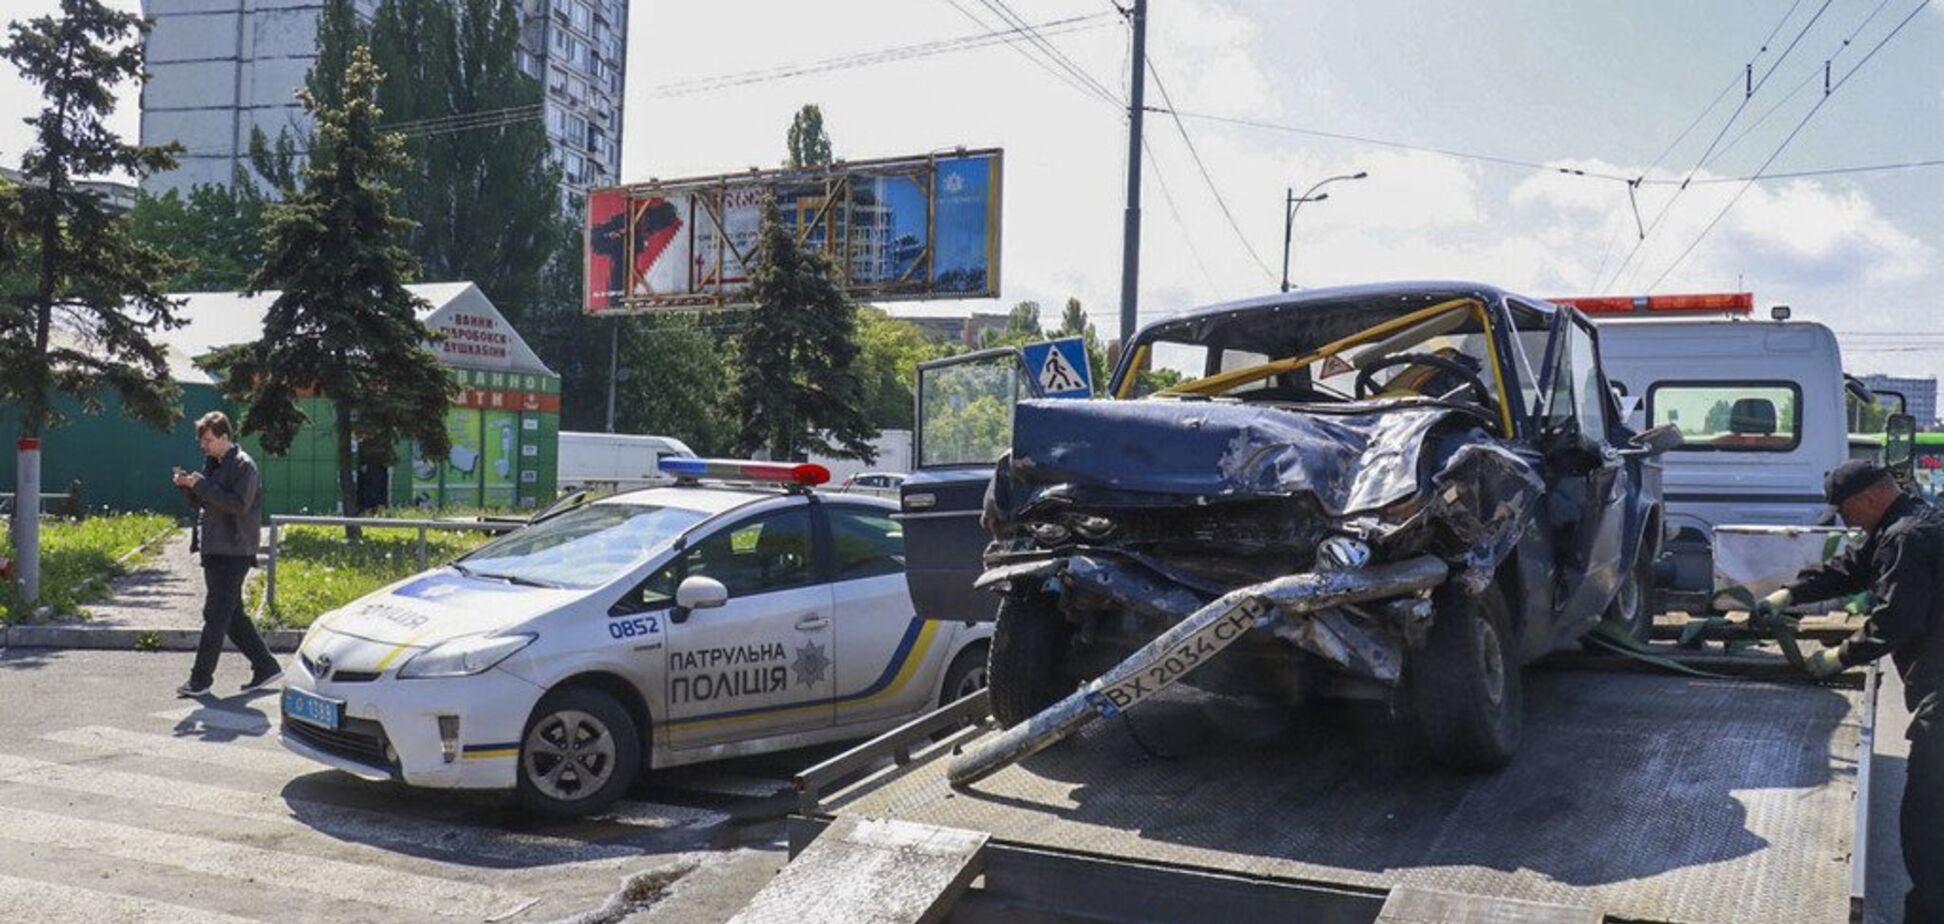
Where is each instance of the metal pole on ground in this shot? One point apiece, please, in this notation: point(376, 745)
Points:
point(26, 522)
point(270, 572)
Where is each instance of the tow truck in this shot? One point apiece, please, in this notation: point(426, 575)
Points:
point(1721, 790)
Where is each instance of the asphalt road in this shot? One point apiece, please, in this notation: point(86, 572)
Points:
point(119, 801)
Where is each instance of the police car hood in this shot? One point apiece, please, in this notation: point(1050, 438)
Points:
point(430, 608)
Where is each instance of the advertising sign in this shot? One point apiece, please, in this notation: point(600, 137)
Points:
point(896, 229)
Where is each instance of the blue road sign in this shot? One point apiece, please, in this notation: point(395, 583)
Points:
point(1060, 367)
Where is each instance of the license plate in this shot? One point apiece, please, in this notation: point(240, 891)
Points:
point(311, 708)
point(1172, 663)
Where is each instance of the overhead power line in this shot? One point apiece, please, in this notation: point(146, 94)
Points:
point(1748, 71)
point(1779, 148)
point(1188, 238)
point(1389, 143)
point(1213, 190)
point(1009, 35)
point(1019, 44)
point(1058, 57)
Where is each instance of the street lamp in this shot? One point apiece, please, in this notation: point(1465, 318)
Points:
point(1292, 202)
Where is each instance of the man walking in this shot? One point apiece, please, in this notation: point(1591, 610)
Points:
point(1901, 563)
point(228, 498)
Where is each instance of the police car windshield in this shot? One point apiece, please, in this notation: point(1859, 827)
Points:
point(582, 548)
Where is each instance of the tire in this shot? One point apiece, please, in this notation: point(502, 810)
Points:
point(966, 675)
point(1632, 607)
point(1465, 681)
point(579, 753)
point(1023, 668)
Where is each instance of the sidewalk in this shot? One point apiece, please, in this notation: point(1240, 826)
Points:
point(157, 606)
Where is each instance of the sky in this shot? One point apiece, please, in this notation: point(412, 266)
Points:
point(1603, 87)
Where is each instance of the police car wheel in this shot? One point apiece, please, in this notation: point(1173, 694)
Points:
point(966, 676)
point(579, 754)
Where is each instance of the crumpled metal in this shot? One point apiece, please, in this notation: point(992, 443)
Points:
point(1152, 453)
point(1482, 500)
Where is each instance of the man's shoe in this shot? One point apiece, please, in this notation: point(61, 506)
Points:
point(263, 683)
point(191, 689)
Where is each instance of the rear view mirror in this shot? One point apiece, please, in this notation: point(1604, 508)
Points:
point(1899, 445)
point(700, 593)
point(1654, 441)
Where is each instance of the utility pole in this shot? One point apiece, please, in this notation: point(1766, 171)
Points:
point(614, 369)
point(1131, 233)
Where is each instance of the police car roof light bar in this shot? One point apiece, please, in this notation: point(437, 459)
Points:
point(800, 474)
point(1699, 303)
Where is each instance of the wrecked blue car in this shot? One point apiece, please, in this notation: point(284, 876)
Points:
point(1399, 493)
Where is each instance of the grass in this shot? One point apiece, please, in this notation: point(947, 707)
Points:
point(80, 558)
point(319, 571)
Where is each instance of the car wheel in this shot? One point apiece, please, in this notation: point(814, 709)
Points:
point(1023, 668)
point(579, 754)
point(1465, 681)
point(1632, 606)
point(966, 676)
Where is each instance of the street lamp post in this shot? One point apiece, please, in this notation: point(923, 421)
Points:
point(1292, 202)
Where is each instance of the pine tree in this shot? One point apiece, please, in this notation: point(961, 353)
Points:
point(797, 384)
point(343, 325)
point(81, 271)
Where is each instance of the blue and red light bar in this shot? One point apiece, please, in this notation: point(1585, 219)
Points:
point(1704, 303)
point(807, 474)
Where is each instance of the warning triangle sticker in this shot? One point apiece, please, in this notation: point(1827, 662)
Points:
point(1057, 375)
point(1334, 365)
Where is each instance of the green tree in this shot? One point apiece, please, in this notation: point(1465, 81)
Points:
point(797, 384)
point(1073, 323)
point(216, 234)
point(77, 318)
point(484, 195)
point(809, 144)
point(889, 351)
point(343, 325)
point(339, 34)
point(674, 375)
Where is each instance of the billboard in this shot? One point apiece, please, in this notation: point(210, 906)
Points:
point(895, 229)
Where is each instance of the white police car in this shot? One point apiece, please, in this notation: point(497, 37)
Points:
point(650, 629)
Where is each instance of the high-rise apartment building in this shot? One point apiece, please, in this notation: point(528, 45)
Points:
point(221, 68)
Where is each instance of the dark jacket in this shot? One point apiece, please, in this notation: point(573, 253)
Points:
point(1901, 564)
point(229, 505)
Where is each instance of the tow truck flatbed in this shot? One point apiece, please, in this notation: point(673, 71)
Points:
point(1635, 797)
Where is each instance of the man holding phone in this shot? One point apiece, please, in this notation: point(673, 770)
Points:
point(228, 498)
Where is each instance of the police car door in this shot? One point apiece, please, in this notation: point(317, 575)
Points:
point(889, 666)
point(760, 664)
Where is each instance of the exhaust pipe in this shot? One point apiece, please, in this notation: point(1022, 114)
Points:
point(1186, 645)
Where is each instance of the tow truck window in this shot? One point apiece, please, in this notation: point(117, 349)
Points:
point(1729, 416)
point(765, 553)
point(582, 548)
point(868, 543)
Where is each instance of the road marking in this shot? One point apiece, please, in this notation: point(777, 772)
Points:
point(247, 721)
point(50, 903)
point(341, 823)
point(333, 878)
point(226, 754)
point(721, 784)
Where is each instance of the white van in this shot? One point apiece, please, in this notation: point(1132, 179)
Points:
point(614, 462)
point(1760, 405)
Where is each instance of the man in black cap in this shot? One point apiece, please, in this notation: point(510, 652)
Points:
point(1901, 564)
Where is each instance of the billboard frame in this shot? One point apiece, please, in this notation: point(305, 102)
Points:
point(707, 196)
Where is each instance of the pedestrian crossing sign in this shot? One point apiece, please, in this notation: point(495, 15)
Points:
point(1060, 367)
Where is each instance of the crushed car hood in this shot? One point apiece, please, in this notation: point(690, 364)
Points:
point(1153, 452)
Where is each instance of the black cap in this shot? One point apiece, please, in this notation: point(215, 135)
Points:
point(1850, 478)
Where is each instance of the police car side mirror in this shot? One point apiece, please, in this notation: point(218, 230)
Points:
point(699, 593)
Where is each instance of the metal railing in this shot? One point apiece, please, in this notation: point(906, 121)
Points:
point(7, 500)
point(278, 522)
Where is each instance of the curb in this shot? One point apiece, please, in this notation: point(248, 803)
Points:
point(120, 638)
